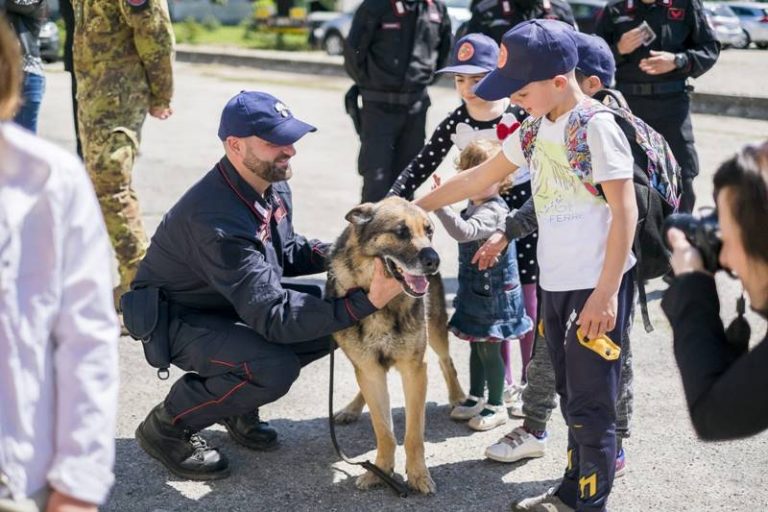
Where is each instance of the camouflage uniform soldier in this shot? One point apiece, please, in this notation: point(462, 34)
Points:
point(123, 52)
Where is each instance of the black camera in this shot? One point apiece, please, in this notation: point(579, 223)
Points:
point(701, 232)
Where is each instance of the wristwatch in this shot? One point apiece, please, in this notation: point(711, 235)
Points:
point(681, 60)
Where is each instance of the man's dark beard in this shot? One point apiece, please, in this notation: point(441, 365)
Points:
point(267, 171)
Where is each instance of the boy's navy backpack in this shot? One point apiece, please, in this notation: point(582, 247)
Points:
point(656, 179)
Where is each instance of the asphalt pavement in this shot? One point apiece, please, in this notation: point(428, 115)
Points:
point(668, 469)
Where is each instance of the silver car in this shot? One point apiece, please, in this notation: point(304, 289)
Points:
point(754, 19)
point(330, 34)
point(726, 25)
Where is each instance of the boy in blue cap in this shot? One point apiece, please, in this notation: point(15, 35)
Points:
point(585, 241)
point(594, 72)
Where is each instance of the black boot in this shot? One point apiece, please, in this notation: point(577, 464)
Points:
point(249, 431)
point(184, 453)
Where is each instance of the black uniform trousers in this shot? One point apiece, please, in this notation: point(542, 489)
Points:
point(670, 115)
point(235, 370)
point(588, 386)
point(390, 137)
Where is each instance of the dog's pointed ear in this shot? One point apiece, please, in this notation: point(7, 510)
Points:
point(361, 214)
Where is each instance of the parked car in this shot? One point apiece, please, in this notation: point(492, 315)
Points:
point(586, 12)
point(50, 42)
point(231, 12)
point(754, 19)
point(331, 33)
point(726, 25)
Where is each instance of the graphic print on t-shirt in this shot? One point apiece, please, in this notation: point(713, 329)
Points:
point(558, 194)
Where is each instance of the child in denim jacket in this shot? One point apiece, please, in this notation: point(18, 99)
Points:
point(489, 304)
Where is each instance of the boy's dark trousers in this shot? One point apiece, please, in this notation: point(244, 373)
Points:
point(588, 386)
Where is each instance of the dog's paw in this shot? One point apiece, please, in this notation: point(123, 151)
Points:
point(456, 400)
point(422, 482)
point(368, 480)
point(345, 416)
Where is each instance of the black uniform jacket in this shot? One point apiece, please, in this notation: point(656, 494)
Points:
point(224, 248)
point(397, 45)
point(495, 17)
point(680, 27)
point(726, 387)
point(27, 19)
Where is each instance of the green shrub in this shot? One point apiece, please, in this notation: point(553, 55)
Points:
point(211, 23)
point(188, 31)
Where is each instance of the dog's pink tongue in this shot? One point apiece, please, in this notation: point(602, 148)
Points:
point(418, 284)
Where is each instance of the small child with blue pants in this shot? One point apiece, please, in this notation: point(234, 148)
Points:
point(489, 304)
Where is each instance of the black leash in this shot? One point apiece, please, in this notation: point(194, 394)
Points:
point(399, 487)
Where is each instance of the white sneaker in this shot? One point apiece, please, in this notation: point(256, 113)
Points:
point(513, 399)
point(547, 502)
point(517, 445)
point(497, 417)
point(465, 412)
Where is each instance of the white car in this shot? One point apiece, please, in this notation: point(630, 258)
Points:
point(754, 19)
point(726, 25)
point(330, 34)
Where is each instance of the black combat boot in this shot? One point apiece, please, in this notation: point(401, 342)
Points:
point(249, 431)
point(184, 453)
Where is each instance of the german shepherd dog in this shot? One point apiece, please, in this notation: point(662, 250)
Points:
point(397, 335)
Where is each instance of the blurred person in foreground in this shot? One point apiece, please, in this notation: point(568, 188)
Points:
point(58, 329)
point(726, 384)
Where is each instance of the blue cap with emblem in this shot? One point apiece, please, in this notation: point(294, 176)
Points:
point(473, 54)
point(595, 57)
point(532, 51)
point(261, 114)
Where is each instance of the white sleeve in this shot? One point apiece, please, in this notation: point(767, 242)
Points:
point(513, 150)
point(85, 337)
point(611, 156)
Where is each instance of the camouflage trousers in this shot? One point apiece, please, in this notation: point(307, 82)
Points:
point(539, 395)
point(110, 130)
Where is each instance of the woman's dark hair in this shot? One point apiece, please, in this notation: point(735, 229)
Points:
point(746, 176)
point(10, 70)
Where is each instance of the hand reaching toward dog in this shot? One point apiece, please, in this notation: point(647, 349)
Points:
point(488, 255)
point(384, 287)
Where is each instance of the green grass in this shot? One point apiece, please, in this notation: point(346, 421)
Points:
point(191, 32)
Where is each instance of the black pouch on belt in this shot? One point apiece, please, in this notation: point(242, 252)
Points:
point(352, 107)
point(145, 315)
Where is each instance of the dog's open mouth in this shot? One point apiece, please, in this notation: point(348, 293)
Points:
point(414, 285)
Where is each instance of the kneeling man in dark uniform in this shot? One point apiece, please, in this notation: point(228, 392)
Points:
point(218, 258)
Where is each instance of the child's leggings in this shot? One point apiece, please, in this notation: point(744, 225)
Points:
point(486, 367)
point(526, 342)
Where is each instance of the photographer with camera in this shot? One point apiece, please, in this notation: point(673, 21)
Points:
point(726, 385)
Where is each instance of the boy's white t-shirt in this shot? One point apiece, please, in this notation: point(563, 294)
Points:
point(573, 223)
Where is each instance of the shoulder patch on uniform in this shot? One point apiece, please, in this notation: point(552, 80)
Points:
point(137, 5)
point(675, 13)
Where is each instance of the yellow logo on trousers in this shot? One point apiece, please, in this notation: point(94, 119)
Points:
point(588, 486)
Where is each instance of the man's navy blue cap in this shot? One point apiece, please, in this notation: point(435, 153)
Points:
point(473, 54)
point(534, 50)
point(261, 114)
point(595, 58)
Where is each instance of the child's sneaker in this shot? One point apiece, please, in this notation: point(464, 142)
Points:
point(490, 417)
point(517, 445)
point(547, 502)
point(513, 399)
point(621, 464)
point(469, 408)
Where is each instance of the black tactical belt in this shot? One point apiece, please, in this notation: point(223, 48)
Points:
point(393, 98)
point(650, 89)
